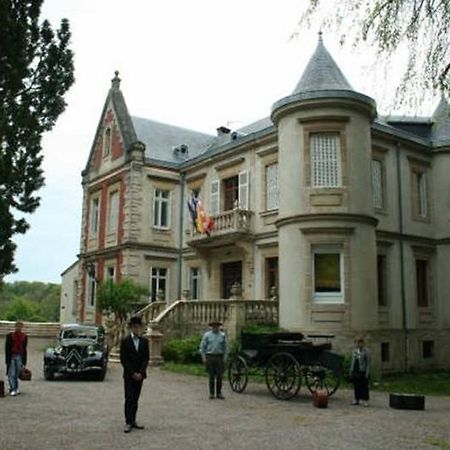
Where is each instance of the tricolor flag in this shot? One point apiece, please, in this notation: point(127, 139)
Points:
point(200, 220)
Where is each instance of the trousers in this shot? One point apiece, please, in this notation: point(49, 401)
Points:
point(215, 367)
point(132, 392)
point(13, 372)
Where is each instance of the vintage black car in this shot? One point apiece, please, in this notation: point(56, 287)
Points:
point(80, 349)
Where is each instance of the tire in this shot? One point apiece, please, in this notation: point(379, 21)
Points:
point(238, 374)
point(319, 377)
point(407, 401)
point(49, 375)
point(283, 376)
point(100, 376)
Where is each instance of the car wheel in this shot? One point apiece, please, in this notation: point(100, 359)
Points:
point(48, 374)
point(100, 376)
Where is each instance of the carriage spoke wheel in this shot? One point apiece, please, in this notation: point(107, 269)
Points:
point(319, 377)
point(283, 376)
point(238, 374)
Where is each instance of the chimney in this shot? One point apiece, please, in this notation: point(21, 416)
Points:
point(222, 131)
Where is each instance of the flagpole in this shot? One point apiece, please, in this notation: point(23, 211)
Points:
point(180, 236)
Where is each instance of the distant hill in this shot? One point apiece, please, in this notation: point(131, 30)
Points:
point(30, 300)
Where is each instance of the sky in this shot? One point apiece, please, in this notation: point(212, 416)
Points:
point(198, 64)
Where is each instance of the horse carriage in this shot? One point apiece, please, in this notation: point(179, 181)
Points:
point(287, 359)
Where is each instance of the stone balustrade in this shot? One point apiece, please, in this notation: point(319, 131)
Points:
point(151, 311)
point(228, 222)
point(32, 329)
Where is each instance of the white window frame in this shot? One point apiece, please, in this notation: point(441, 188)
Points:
point(422, 194)
point(91, 291)
point(326, 171)
point(159, 277)
point(328, 297)
point(110, 274)
point(95, 216)
point(272, 194)
point(113, 212)
point(377, 169)
point(195, 277)
point(158, 201)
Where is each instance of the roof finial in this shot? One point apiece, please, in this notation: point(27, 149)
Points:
point(115, 82)
point(320, 36)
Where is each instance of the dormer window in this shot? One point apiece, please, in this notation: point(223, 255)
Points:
point(107, 142)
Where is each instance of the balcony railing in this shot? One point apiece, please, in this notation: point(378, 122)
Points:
point(229, 224)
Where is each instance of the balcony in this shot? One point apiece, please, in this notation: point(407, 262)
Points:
point(229, 227)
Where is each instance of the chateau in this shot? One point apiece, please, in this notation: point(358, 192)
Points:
point(340, 215)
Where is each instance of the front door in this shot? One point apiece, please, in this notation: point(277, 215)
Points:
point(231, 273)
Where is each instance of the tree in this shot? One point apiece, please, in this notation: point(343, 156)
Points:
point(118, 299)
point(36, 70)
point(421, 28)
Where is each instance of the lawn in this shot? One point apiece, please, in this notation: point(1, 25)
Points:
point(429, 383)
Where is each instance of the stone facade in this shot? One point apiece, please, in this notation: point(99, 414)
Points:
point(340, 213)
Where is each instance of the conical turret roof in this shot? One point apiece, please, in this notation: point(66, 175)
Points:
point(440, 131)
point(322, 73)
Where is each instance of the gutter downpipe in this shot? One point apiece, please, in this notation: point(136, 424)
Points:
point(402, 256)
point(180, 236)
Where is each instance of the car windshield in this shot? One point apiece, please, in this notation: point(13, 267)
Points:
point(79, 333)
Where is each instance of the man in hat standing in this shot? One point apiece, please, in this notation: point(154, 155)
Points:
point(214, 350)
point(134, 357)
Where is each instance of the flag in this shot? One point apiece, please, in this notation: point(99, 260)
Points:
point(192, 206)
point(204, 223)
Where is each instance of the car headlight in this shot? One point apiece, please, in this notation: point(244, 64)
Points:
point(90, 350)
point(58, 350)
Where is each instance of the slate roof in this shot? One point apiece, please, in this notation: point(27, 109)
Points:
point(162, 140)
point(440, 131)
point(322, 73)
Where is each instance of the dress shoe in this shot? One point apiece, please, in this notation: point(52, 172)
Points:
point(211, 397)
point(138, 427)
point(127, 428)
point(220, 397)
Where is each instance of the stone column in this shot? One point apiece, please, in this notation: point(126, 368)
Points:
point(155, 337)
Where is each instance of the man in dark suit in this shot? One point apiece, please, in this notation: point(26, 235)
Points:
point(134, 356)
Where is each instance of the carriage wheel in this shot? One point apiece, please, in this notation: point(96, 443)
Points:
point(319, 377)
point(283, 376)
point(238, 374)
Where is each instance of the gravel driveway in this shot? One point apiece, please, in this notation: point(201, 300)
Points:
point(71, 414)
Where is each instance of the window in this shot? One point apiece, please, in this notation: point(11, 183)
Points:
point(107, 142)
point(422, 194)
point(381, 280)
point(271, 275)
point(235, 193)
point(74, 297)
point(377, 184)
point(272, 186)
point(110, 273)
point(195, 283)
point(328, 274)
point(385, 352)
point(422, 282)
point(95, 206)
point(230, 193)
point(325, 160)
point(214, 199)
point(161, 209)
point(158, 284)
point(91, 291)
point(427, 349)
point(113, 217)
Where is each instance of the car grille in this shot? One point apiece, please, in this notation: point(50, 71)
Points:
point(73, 358)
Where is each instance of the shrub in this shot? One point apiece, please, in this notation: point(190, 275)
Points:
point(183, 351)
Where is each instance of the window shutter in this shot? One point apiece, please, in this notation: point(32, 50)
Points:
point(377, 183)
point(243, 189)
point(422, 181)
point(214, 198)
point(325, 160)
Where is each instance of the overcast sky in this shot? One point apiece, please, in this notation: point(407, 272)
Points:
point(198, 64)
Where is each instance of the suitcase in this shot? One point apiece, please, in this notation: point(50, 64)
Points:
point(407, 401)
point(320, 398)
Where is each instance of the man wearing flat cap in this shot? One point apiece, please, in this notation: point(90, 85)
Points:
point(134, 357)
point(214, 350)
